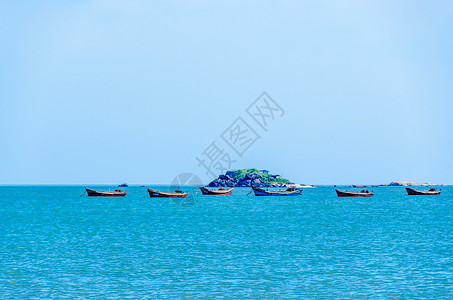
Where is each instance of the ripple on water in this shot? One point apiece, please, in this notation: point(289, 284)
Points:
point(54, 243)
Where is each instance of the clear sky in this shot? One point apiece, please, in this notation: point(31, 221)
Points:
point(133, 91)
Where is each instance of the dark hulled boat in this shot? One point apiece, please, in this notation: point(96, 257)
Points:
point(123, 185)
point(115, 193)
point(359, 186)
point(431, 191)
point(221, 191)
point(363, 193)
point(159, 194)
point(288, 192)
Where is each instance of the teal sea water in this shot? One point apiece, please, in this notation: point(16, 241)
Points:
point(55, 243)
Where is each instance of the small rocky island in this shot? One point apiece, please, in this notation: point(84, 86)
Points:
point(249, 177)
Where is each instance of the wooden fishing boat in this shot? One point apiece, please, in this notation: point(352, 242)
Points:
point(363, 193)
point(288, 192)
point(221, 191)
point(115, 193)
point(159, 194)
point(431, 191)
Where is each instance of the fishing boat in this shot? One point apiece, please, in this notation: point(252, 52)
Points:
point(115, 193)
point(417, 192)
point(221, 191)
point(363, 193)
point(359, 186)
point(288, 192)
point(159, 194)
point(123, 185)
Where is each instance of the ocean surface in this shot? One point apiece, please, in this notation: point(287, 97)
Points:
point(55, 243)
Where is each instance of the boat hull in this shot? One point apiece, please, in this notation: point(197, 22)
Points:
point(206, 191)
point(158, 194)
point(353, 194)
point(413, 192)
point(94, 193)
point(263, 192)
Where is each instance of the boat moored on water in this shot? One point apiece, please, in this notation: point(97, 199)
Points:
point(431, 191)
point(288, 192)
point(359, 186)
point(115, 193)
point(159, 194)
point(123, 185)
point(363, 193)
point(220, 191)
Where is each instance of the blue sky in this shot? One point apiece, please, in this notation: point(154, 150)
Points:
point(133, 91)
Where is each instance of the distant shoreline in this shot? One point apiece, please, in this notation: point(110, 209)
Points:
point(392, 184)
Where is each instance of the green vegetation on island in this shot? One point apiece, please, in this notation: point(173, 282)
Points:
point(249, 177)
